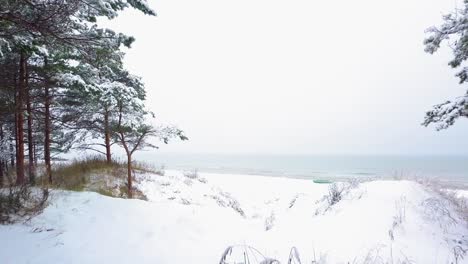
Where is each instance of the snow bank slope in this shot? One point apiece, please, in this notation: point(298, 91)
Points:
point(193, 221)
point(91, 228)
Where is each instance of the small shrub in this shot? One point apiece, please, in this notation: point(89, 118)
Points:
point(354, 182)
point(438, 209)
point(334, 194)
point(460, 203)
point(400, 207)
point(459, 253)
point(185, 201)
point(165, 183)
point(293, 201)
point(448, 195)
point(188, 182)
point(191, 174)
point(123, 193)
point(105, 192)
point(226, 200)
point(270, 221)
point(203, 180)
point(21, 203)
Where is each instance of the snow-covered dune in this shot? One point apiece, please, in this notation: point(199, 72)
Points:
point(193, 219)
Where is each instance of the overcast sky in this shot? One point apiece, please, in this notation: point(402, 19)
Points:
point(295, 76)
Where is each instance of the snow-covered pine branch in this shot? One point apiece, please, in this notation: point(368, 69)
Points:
point(166, 133)
point(445, 114)
point(454, 31)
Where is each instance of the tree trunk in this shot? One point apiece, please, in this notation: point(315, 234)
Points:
point(129, 175)
point(12, 156)
point(14, 148)
point(31, 169)
point(47, 128)
point(107, 137)
point(2, 168)
point(16, 130)
point(19, 109)
point(129, 154)
point(35, 153)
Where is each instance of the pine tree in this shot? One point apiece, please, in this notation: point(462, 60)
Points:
point(93, 104)
point(57, 32)
point(132, 132)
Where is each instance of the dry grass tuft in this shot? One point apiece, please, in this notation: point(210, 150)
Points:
point(94, 173)
point(75, 175)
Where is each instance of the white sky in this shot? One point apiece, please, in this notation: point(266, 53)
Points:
point(296, 76)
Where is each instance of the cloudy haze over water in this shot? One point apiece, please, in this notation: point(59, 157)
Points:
point(296, 77)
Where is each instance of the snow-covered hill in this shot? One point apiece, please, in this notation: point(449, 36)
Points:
point(193, 218)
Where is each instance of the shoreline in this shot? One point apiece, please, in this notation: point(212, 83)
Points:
point(454, 184)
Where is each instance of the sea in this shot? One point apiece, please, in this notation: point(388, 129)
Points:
point(445, 168)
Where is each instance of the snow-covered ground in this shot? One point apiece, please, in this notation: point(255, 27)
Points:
point(193, 220)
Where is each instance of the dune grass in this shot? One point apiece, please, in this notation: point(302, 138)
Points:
point(75, 175)
point(94, 173)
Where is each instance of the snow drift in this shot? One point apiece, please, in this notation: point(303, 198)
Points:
point(193, 218)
